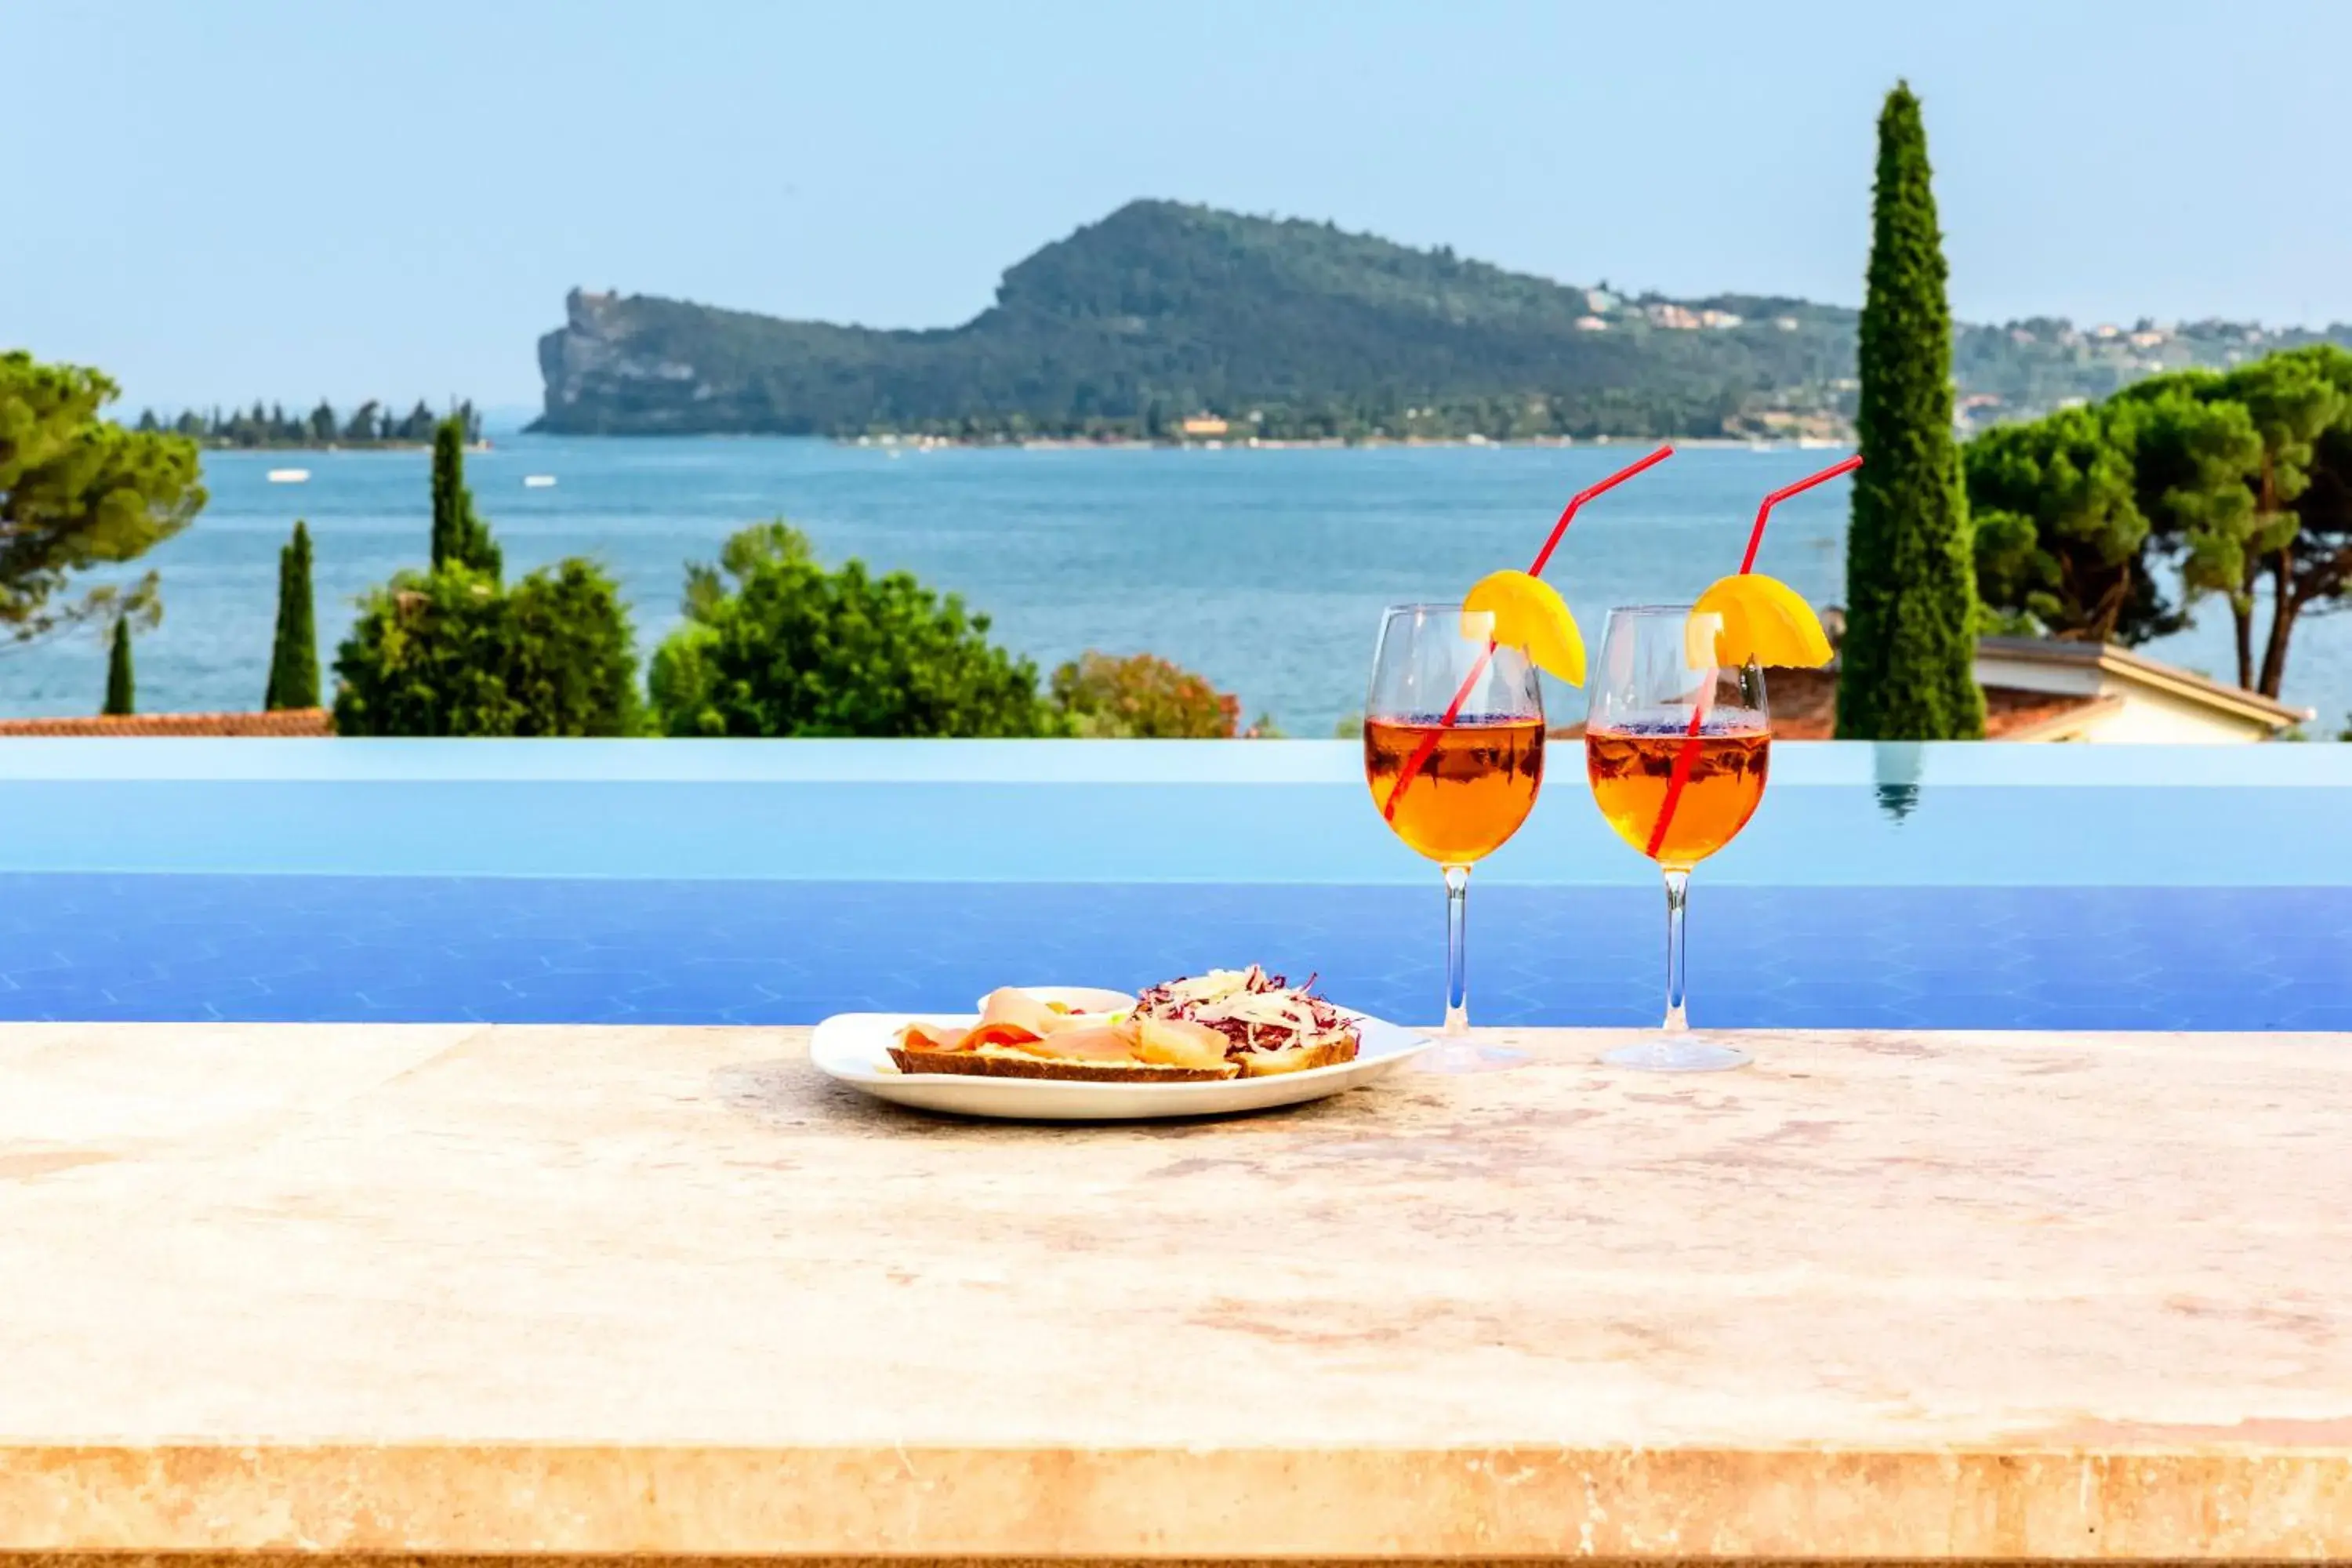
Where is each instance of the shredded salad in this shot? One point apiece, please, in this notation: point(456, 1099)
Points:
point(1253, 1010)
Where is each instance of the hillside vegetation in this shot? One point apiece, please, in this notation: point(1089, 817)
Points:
point(1286, 327)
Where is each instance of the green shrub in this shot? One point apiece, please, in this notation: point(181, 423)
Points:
point(450, 653)
point(774, 644)
point(1143, 697)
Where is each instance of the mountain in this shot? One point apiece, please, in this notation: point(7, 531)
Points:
point(1294, 329)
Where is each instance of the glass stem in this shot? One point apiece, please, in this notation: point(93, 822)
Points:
point(1677, 894)
point(1458, 964)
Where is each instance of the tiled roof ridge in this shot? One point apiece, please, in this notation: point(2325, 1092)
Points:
point(1804, 706)
point(2115, 658)
point(285, 721)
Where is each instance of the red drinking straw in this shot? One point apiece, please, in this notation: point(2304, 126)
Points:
point(1688, 753)
point(1412, 765)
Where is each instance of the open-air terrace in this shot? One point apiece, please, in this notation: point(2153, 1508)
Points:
point(427, 1162)
point(680, 889)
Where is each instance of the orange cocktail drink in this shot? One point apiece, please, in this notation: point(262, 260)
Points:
point(1633, 772)
point(1453, 735)
point(1678, 740)
point(1476, 784)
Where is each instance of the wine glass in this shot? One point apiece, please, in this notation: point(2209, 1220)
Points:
point(1676, 749)
point(1454, 751)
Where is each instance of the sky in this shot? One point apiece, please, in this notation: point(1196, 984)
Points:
point(231, 199)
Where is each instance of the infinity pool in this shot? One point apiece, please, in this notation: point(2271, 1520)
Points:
point(1960, 887)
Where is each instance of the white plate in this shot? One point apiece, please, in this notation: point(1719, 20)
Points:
point(854, 1049)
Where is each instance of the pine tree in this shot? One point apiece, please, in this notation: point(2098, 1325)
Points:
point(459, 536)
point(120, 699)
point(1907, 663)
point(294, 657)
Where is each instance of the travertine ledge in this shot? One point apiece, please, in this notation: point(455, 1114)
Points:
point(591, 1293)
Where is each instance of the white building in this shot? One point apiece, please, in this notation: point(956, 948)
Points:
point(2037, 689)
point(2114, 696)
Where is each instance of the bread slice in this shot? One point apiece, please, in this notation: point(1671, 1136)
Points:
point(988, 1063)
point(1297, 1058)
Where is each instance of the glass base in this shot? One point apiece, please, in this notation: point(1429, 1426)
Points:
point(1453, 1056)
point(1673, 1054)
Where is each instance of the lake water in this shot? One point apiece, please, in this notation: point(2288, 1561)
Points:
point(1265, 570)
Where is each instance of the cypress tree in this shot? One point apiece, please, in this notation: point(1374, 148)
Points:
point(449, 498)
point(458, 535)
point(1907, 663)
point(120, 699)
point(294, 657)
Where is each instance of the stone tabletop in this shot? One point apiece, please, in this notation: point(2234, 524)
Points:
point(585, 1291)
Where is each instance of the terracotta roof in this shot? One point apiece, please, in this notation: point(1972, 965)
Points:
point(2147, 671)
point(1804, 701)
point(285, 721)
point(1804, 708)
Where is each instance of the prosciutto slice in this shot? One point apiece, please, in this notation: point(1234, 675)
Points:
point(1018, 1009)
point(1014, 1018)
point(933, 1038)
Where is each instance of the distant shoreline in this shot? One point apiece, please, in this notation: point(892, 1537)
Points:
point(483, 445)
point(895, 444)
point(1254, 443)
point(941, 443)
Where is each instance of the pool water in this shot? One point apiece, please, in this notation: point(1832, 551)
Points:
point(545, 950)
point(667, 882)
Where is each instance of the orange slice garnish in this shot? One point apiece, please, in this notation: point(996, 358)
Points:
point(1527, 614)
point(1758, 618)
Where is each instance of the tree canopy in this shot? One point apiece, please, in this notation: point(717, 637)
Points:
point(2293, 400)
point(2060, 536)
point(453, 653)
point(121, 684)
point(2114, 521)
point(460, 534)
point(77, 492)
point(1907, 663)
point(776, 644)
point(372, 423)
point(294, 649)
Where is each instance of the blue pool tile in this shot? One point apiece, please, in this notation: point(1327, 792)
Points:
point(568, 951)
point(2337, 1017)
